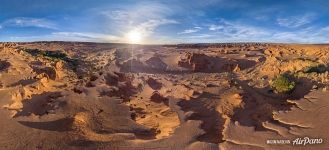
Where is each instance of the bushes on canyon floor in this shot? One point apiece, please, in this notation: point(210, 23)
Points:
point(321, 68)
point(283, 84)
point(53, 55)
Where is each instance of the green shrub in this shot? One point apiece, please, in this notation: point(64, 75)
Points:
point(54, 56)
point(283, 84)
point(317, 69)
point(33, 52)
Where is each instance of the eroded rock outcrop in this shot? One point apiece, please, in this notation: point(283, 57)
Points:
point(197, 62)
point(204, 63)
point(154, 84)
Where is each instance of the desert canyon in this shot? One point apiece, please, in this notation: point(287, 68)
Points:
point(75, 95)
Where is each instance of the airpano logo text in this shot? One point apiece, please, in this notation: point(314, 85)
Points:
point(298, 141)
point(307, 141)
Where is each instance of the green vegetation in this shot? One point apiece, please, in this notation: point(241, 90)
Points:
point(321, 68)
point(283, 84)
point(53, 56)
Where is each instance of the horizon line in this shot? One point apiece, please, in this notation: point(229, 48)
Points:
point(166, 43)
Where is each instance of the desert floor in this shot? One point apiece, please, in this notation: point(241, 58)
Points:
point(72, 95)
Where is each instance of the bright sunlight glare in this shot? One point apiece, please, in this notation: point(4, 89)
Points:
point(134, 37)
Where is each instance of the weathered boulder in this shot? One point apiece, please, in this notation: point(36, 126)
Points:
point(158, 98)
point(154, 84)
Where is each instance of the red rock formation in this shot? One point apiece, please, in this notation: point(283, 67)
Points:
point(197, 62)
point(156, 97)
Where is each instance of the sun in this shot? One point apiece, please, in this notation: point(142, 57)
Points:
point(134, 37)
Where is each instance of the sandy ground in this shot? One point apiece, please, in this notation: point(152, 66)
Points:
point(211, 96)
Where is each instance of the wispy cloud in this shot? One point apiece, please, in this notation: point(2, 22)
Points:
point(69, 36)
point(227, 31)
point(237, 29)
point(295, 21)
point(148, 27)
point(28, 22)
point(306, 35)
point(200, 36)
point(85, 36)
point(326, 29)
point(143, 18)
point(187, 31)
point(215, 27)
point(193, 30)
point(139, 12)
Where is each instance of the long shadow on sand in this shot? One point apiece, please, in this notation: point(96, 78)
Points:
point(4, 65)
point(23, 82)
point(40, 104)
point(212, 122)
point(60, 125)
point(260, 103)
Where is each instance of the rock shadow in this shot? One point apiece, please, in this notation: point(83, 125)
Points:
point(260, 103)
point(4, 65)
point(23, 82)
point(212, 121)
point(41, 104)
point(60, 125)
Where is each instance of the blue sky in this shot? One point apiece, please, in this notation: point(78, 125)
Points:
point(166, 21)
